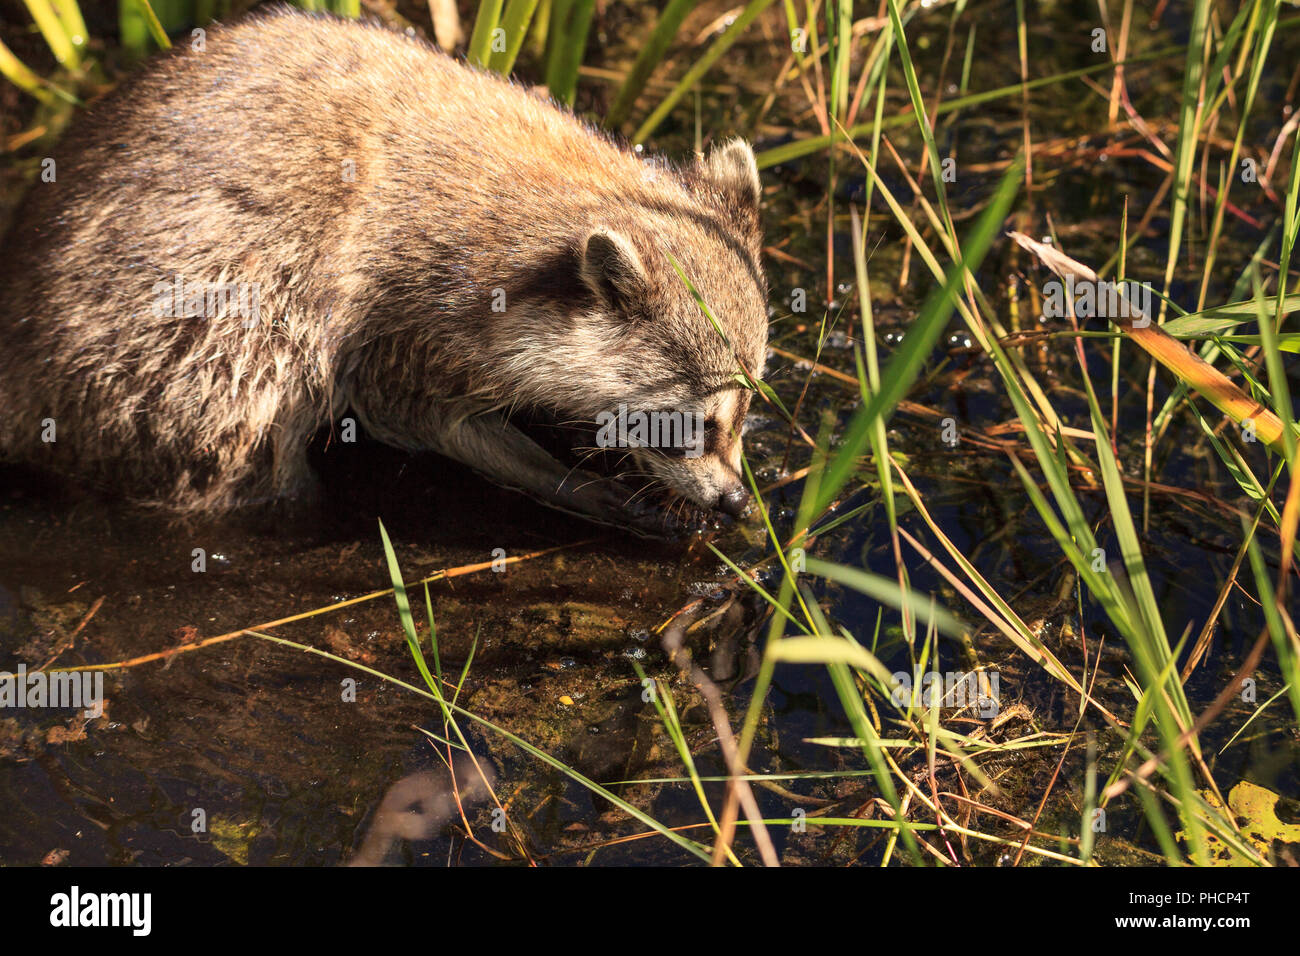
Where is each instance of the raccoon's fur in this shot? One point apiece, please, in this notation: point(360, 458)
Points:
point(428, 246)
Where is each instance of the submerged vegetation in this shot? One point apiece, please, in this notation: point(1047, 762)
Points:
point(1051, 707)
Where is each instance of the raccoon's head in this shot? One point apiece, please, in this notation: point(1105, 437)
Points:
point(668, 383)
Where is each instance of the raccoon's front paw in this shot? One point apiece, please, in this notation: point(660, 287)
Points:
point(632, 509)
point(622, 507)
point(642, 510)
point(672, 518)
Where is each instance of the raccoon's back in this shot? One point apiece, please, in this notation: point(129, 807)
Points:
point(263, 132)
point(318, 145)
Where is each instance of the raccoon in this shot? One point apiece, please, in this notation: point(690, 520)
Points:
point(305, 218)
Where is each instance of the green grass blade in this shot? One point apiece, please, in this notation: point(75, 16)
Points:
point(570, 22)
point(702, 65)
point(651, 55)
point(519, 17)
point(55, 33)
point(906, 364)
point(486, 22)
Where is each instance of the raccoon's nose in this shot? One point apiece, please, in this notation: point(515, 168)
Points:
point(734, 502)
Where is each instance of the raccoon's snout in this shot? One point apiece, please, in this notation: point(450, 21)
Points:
point(733, 502)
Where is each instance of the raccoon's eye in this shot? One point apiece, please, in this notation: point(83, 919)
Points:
point(698, 444)
point(711, 432)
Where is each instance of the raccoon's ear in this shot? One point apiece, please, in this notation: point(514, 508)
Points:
point(612, 269)
point(732, 168)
